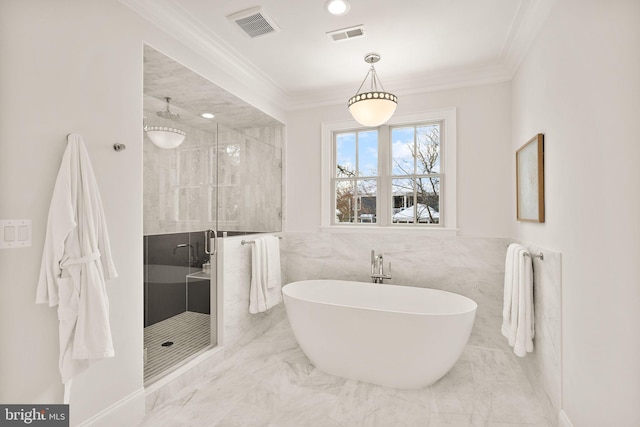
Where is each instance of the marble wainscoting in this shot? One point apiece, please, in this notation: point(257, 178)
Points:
point(271, 383)
point(241, 327)
point(473, 267)
point(542, 366)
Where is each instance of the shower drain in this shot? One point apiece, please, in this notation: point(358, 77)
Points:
point(167, 343)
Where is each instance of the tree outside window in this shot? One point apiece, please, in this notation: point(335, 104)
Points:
point(356, 176)
point(416, 174)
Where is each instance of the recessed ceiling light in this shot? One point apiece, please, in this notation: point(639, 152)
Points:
point(337, 7)
point(207, 115)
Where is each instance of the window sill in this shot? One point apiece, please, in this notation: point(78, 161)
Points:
point(424, 231)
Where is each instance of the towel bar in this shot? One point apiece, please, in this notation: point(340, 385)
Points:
point(538, 255)
point(247, 242)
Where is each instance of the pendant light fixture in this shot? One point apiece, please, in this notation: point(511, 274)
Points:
point(166, 136)
point(376, 106)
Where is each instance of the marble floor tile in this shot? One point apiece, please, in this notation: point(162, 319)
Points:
point(515, 402)
point(271, 383)
point(244, 414)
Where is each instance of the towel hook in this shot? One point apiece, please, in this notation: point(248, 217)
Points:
point(117, 146)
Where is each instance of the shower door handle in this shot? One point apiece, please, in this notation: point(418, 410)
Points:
point(207, 242)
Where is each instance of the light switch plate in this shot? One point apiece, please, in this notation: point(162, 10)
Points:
point(15, 233)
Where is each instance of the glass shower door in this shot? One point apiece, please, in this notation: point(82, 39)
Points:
point(180, 296)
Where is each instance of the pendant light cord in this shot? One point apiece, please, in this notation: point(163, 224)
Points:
point(374, 81)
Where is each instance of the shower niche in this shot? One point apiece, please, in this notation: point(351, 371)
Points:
point(225, 178)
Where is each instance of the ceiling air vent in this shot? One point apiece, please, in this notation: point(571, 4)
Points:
point(254, 23)
point(346, 33)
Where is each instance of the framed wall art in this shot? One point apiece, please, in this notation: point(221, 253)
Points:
point(530, 180)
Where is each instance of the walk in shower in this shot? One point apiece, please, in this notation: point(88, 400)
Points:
point(225, 178)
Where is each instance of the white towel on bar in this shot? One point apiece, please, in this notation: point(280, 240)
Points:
point(510, 269)
point(517, 311)
point(274, 276)
point(266, 282)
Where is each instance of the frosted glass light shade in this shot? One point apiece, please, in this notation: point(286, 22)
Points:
point(165, 137)
point(373, 108)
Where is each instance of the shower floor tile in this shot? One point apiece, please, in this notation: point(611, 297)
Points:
point(190, 332)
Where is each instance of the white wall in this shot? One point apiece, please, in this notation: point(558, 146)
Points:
point(76, 66)
point(580, 86)
point(483, 119)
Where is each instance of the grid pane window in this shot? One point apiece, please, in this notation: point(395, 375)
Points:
point(345, 191)
point(367, 198)
point(402, 191)
point(402, 148)
point(345, 155)
point(388, 176)
point(428, 200)
point(368, 153)
point(355, 180)
point(416, 174)
point(428, 149)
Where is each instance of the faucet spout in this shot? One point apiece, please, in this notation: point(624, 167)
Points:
point(192, 255)
point(182, 245)
point(373, 262)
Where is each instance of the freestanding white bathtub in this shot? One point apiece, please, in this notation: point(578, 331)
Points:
point(396, 336)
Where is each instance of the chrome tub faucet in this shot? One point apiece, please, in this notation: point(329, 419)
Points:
point(377, 268)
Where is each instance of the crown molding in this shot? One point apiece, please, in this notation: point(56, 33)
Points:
point(173, 19)
point(526, 25)
point(412, 85)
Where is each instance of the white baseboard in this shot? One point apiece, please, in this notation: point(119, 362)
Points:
point(563, 419)
point(125, 412)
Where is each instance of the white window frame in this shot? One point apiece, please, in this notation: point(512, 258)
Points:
point(448, 184)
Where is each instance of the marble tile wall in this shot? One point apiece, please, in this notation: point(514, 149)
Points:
point(177, 185)
point(229, 180)
point(542, 367)
point(473, 267)
point(250, 180)
point(241, 327)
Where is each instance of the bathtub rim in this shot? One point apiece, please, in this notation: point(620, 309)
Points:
point(474, 308)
